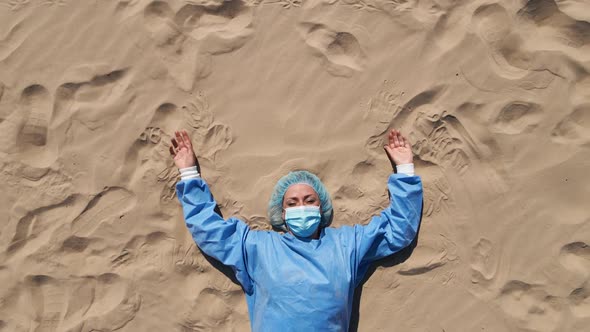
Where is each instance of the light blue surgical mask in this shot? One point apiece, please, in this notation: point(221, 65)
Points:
point(303, 221)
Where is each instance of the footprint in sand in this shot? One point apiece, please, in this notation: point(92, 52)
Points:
point(36, 227)
point(37, 101)
point(580, 301)
point(166, 118)
point(93, 303)
point(495, 27)
point(340, 51)
point(88, 86)
point(105, 88)
point(106, 207)
point(186, 38)
point(175, 49)
point(492, 24)
point(484, 262)
point(39, 197)
point(21, 234)
point(223, 26)
point(115, 303)
point(25, 130)
point(89, 106)
point(517, 117)
point(49, 301)
point(575, 127)
point(531, 307)
point(566, 30)
point(575, 257)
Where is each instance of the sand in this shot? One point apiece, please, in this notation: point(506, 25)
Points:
point(494, 96)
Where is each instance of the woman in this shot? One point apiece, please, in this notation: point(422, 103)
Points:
point(304, 279)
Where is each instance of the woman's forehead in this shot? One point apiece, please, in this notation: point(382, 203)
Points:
point(300, 190)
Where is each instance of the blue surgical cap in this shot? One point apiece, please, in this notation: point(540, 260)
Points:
point(275, 206)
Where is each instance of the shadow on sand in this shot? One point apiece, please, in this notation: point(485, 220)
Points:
point(393, 260)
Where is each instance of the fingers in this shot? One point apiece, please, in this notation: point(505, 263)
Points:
point(390, 136)
point(186, 139)
point(179, 140)
point(403, 141)
point(174, 147)
point(396, 139)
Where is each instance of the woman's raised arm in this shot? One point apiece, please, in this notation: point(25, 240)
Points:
point(396, 226)
point(221, 239)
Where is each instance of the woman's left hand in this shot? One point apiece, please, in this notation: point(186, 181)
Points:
point(182, 151)
point(398, 149)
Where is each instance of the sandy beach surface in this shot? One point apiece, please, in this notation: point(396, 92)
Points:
point(494, 96)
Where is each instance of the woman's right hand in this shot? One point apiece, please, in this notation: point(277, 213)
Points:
point(398, 149)
point(182, 151)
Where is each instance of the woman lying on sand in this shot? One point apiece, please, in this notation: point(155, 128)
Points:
point(304, 279)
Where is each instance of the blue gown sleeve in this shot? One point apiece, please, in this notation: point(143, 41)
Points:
point(395, 227)
point(221, 239)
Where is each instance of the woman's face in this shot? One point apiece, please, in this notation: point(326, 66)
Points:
point(300, 195)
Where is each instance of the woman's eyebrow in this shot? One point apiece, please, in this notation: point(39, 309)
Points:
point(304, 197)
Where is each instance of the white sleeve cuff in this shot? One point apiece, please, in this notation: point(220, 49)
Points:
point(189, 173)
point(407, 169)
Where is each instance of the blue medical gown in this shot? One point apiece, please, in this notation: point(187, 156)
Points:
point(294, 284)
